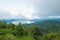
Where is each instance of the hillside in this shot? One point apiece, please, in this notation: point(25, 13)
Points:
point(41, 29)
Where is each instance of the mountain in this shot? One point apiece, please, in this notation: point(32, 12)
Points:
point(45, 23)
point(33, 21)
point(16, 21)
point(42, 20)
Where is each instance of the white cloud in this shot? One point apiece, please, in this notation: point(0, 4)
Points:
point(29, 9)
point(27, 12)
point(18, 9)
point(4, 14)
point(54, 17)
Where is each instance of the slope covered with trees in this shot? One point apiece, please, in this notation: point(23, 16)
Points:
point(48, 30)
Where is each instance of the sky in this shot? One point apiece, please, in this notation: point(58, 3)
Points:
point(29, 9)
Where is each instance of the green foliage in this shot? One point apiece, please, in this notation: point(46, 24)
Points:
point(10, 26)
point(19, 32)
point(2, 25)
point(10, 37)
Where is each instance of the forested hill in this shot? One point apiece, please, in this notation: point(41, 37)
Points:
point(41, 22)
point(41, 29)
point(29, 21)
point(46, 24)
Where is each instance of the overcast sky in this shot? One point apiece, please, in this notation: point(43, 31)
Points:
point(29, 9)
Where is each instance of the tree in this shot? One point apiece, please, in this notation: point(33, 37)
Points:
point(2, 25)
point(20, 30)
point(10, 26)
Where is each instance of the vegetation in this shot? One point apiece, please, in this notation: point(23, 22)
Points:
point(49, 31)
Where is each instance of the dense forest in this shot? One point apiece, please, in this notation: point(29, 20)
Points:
point(48, 30)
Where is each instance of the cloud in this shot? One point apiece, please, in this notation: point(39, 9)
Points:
point(54, 17)
point(29, 9)
point(47, 7)
point(4, 14)
point(29, 12)
point(23, 12)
